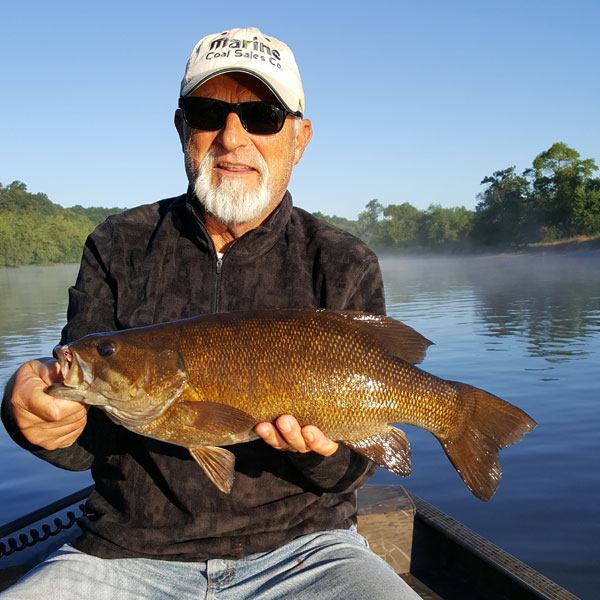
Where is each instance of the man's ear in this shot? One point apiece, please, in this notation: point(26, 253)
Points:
point(180, 126)
point(302, 138)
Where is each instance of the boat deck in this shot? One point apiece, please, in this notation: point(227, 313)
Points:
point(441, 558)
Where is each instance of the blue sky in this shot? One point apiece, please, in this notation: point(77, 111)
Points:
point(410, 101)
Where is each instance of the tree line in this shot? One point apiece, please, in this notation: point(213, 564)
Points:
point(34, 230)
point(557, 197)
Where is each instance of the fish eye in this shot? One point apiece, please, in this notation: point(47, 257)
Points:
point(106, 348)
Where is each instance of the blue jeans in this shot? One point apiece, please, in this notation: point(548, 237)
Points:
point(332, 565)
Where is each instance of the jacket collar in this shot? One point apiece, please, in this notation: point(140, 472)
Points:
point(253, 243)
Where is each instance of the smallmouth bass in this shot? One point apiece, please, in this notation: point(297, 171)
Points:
point(205, 382)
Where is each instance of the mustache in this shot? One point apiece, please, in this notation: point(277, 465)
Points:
point(256, 162)
point(213, 157)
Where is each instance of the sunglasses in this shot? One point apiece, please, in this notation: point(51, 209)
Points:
point(207, 114)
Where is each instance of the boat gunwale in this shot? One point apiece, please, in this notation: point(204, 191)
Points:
point(523, 575)
point(39, 514)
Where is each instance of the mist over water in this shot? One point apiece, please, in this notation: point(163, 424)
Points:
point(526, 328)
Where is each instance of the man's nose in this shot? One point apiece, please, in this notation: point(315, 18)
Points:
point(233, 135)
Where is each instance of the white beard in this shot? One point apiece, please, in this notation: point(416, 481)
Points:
point(230, 202)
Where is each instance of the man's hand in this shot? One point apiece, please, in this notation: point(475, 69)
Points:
point(286, 434)
point(45, 421)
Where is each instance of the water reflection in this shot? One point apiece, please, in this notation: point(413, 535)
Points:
point(551, 302)
point(32, 312)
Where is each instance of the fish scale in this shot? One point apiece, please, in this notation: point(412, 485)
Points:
point(205, 382)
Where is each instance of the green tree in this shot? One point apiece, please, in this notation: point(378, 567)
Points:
point(445, 228)
point(34, 230)
point(341, 222)
point(503, 211)
point(564, 195)
point(96, 214)
point(16, 197)
point(586, 208)
point(368, 223)
point(14, 249)
point(400, 226)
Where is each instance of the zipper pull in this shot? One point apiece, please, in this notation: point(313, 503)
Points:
point(218, 284)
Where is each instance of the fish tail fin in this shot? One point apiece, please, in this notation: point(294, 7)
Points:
point(489, 425)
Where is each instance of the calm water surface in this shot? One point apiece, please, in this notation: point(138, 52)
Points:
point(525, 328)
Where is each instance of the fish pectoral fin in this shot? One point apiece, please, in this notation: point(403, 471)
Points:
point(218, 418)
point(217, 463)
point(389, 449)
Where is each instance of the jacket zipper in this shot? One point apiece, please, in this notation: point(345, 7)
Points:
point(218, 284)
point(202, 227)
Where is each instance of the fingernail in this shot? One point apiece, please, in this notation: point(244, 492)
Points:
point(309, 436)
point(285, 426)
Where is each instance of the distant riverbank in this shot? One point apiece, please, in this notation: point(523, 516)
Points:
point(578, 243)
point(583, 244)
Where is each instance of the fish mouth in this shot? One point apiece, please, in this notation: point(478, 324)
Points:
point(75, 371)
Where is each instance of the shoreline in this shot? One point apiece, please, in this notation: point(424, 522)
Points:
point(588, 245)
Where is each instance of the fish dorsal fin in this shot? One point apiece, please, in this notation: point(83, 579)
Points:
point(217, 418)
point(390, 449)
point(217, 463)
point(397, 339)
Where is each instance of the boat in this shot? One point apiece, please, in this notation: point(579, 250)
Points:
point(440, 558)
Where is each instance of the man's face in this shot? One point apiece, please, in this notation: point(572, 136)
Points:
point(232, 162)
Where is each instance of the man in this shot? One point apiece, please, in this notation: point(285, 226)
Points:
point(157, 527)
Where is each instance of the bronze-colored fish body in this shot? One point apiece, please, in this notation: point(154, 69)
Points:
point(206, 382)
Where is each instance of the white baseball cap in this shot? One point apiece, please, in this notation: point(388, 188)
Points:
point(247, 51)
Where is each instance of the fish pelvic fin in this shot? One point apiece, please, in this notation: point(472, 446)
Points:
point(489, 425)
point(389, 449)
point(217, 463)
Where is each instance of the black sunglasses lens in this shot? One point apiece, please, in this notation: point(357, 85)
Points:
point(204, 113)
point(262, 118)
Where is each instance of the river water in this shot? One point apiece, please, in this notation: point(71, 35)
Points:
point(526, 328)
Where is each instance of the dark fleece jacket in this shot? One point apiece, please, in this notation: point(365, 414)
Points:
point(157, 263)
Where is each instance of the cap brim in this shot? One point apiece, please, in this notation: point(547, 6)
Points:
point(193, 84)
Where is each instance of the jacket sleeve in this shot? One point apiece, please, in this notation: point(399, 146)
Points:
point(367, 293)
point(91, 308)
point(93, 297)
point(346, 470)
